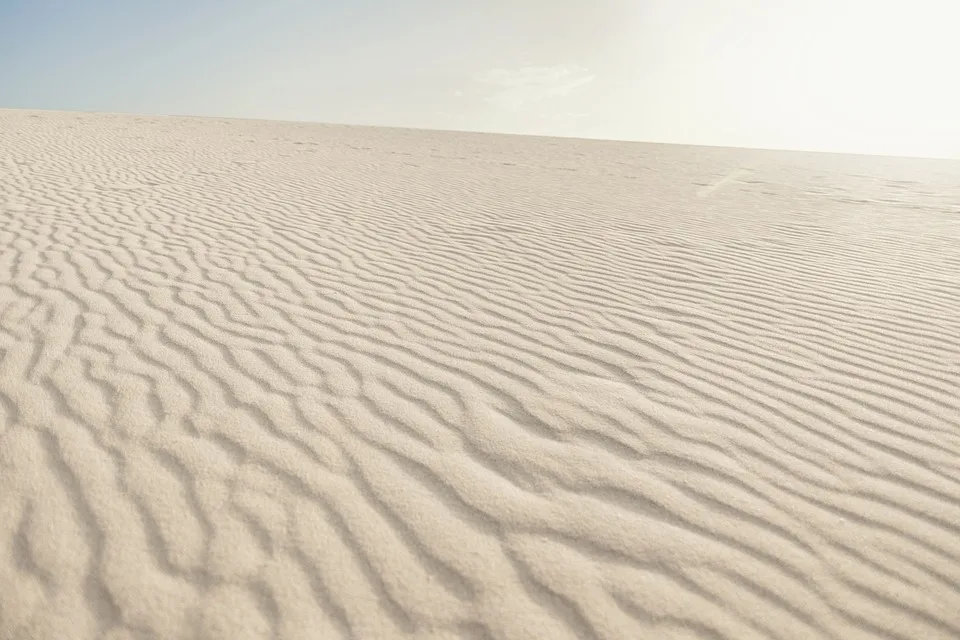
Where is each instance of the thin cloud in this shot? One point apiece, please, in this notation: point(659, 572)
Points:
point(523, 88)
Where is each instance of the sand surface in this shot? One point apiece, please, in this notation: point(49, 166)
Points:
point(274, 380)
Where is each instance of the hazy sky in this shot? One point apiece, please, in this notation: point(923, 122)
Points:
point(872, 76)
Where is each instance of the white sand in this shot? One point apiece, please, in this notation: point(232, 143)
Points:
point(273, 380)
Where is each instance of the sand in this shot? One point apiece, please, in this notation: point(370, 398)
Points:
point(296, 381)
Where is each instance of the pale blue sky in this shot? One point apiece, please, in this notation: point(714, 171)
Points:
point(871, 76)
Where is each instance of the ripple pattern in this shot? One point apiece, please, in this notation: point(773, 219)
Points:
point(296, 381)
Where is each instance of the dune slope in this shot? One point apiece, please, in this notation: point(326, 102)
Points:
point(290, 381)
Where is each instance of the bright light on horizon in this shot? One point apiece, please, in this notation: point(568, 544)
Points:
point(849, 75)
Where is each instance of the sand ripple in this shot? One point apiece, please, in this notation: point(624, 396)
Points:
point(267, 380)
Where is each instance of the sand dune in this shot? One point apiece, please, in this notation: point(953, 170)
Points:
point(274, 380)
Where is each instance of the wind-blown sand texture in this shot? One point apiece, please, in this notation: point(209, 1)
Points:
point(292, 381)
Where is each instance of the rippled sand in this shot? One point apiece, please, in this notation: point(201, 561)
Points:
point(274, 380)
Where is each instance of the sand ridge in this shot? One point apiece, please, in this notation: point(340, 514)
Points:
point(279, 380)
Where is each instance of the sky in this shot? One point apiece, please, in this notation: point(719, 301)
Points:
point(859, 76)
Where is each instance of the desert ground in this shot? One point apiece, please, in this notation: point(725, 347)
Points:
point(301, 381)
